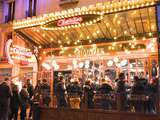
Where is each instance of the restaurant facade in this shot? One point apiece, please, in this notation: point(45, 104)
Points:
point(97, 41)
point(87, 40)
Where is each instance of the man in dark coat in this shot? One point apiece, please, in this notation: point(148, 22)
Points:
point(121, 90)
point(5, 94)
point(45, 91)
point(138, 90)
point(15, 102)
point(60, 93)
point(37, 91)
point(89, 91)
point(30, 90)
point(24, 97)
point(152, 92)
point(105, 89)
point(75, 93)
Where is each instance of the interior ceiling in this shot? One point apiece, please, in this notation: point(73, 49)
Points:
point(114, 27)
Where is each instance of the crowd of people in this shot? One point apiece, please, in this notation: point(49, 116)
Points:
point(137, 96)
point(13, 99)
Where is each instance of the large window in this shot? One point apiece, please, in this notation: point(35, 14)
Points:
point(11, 11)
point(31, 8)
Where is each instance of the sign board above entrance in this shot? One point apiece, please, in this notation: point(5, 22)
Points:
point(16, 53)
point(72, 21)
point(69, 21)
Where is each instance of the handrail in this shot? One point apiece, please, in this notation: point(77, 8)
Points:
point(119, 102)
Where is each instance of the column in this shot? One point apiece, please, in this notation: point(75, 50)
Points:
point(16, 71)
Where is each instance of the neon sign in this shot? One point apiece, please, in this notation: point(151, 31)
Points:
point(69, 21)
point(21, 51)
point(14, 52)
point(89, 51)
point(64, 22)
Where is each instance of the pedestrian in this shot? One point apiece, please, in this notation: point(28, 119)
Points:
point(75, 94)
point(121, 91)
point(45, 90)
point(30, 90)
point(105, 89)
point(89, 91)
point(61, 93)
point(15, 102)
point(5, 95)
point(138, 90)
point(24, 98)
point(151, 92)
point(37, 92)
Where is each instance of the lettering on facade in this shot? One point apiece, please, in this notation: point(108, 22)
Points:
point(14, 52)
point(69, 21)
point(89, 52)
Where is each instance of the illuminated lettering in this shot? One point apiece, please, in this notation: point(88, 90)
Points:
point(69, 21)
point(89, 52)
point(14, 52)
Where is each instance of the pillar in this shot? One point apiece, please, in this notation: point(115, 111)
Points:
point(15, 71)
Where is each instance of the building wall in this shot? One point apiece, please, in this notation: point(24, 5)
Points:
point(4, 31)
point(53, 5)
point(43, 7)
point(1, 12)
point(21, 8)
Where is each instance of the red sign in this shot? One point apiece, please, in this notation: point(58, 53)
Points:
point(14, 52)
point(69, 21)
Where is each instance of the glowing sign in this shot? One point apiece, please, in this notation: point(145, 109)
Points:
point(69, 21)
point(21, 51)
point(89, 51)
point(65, 22)
point(14, 52)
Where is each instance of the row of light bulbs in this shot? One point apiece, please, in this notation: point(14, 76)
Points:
point(126, 5)
point(91, 41)
point(111, 47)
point(94, 34)
point(150, 46)
point(106, 7)
point(74, 26)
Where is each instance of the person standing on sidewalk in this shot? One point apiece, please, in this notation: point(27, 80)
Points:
point(14, 104)
point(45, 91)
point(24, 97)
point(30, 90)
point(5, 94)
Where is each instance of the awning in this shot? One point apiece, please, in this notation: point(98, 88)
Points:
point(112, 22)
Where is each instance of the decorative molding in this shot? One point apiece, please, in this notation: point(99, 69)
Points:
point(105, 8)
point(64, 2)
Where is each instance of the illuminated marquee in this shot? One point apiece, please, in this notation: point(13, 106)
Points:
point(17, 53)
point(78, 20)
